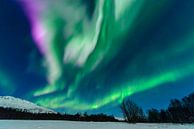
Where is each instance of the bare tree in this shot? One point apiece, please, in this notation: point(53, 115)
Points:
point(132, 112)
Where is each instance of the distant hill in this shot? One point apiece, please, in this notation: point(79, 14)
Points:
point(15, 108)
point(22, 105)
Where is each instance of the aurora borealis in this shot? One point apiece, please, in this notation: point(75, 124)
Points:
point(80, 55)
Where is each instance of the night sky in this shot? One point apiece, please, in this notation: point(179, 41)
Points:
point(88, 55)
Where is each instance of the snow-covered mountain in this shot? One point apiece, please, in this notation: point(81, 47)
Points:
point(22, 105)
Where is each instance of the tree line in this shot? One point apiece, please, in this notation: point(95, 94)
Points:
point(10, 113)
point(178, 111)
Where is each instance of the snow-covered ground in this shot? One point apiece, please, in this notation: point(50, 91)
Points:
point(13, 124)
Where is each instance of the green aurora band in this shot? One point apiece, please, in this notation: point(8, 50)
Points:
point(97, 57)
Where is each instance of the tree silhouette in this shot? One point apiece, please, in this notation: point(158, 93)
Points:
point(178, 111)
point(131, 111)
point(153, 115)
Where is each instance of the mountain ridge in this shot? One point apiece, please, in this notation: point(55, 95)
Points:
point(23, 105)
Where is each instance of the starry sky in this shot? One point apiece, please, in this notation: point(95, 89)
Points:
point(88, 55)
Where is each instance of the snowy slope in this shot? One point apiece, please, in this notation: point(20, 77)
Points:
point(11, 124)
point(23, 105)
point(119, 118)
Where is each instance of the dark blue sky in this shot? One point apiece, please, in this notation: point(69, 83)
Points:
point(21, 70)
